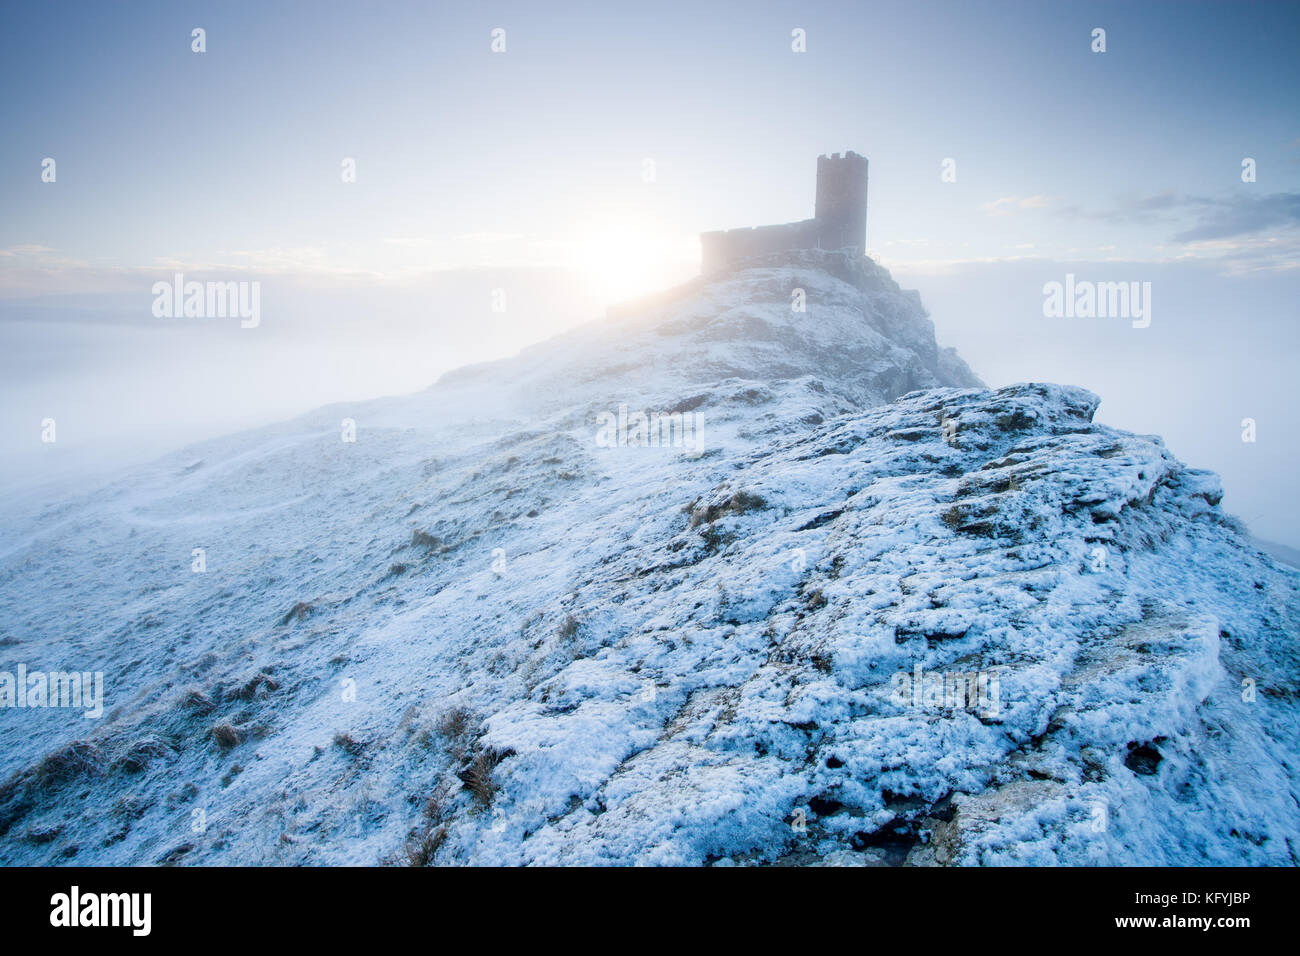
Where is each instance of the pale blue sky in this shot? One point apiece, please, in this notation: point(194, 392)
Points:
point(466, 157)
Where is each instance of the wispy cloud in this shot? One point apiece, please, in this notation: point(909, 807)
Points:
point(24, 250)
point(1244, 216)
point(1166, 206)
point(1201, 217)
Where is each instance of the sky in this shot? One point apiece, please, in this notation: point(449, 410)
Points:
point(578, 166)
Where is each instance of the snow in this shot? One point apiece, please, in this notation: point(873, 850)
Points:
point(665, 657)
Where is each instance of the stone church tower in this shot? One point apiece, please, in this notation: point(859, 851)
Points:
point(841, 210)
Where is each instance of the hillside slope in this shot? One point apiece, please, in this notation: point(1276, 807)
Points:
point(481, 634)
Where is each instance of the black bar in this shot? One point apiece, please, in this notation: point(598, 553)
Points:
point(932, 906)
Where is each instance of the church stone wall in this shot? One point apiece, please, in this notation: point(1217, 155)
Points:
point(840, 220)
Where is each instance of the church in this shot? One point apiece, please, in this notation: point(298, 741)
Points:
point(839, 220)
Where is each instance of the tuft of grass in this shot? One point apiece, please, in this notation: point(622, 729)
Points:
point(80, 758)
point(298, 612)
point(423, 842)
point(455, 723)
point(815, 600)
point(349, 744)
point(457, 726)
point(226, 736)
point(569, 629)
point(738, 503)
point(422, 539)
point(422, 845)
point(44, 834)
point(477, 777)
point(953, 518)
point(198, 702)
point(142, 753)
point(259, 685)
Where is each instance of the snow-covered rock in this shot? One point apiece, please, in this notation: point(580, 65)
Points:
point(871, 613)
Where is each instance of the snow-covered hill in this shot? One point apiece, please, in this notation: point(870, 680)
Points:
point(871, 612)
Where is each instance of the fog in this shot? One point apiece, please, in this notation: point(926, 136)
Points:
point(123, 386)
point(1220, 348)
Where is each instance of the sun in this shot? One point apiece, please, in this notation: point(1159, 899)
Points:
point(626, 262)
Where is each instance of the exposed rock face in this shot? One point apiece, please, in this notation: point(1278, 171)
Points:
point(882, 615)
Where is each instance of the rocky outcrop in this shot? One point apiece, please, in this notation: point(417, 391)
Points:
point(880, 615)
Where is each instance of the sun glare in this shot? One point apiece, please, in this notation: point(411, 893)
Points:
point(623, 263)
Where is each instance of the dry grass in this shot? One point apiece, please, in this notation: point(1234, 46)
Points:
point(349, 744)
point(297, 612)
point(455, 723)
point(259, 685)
point(142, 753)
point(423, 844)
point(738, 503)
point(569, 629)
point(81, 758)
point(226, 736)
point(426, 541)
point(198, 702)
point(477, 777)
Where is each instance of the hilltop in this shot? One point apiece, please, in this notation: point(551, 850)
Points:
point(479, 635)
